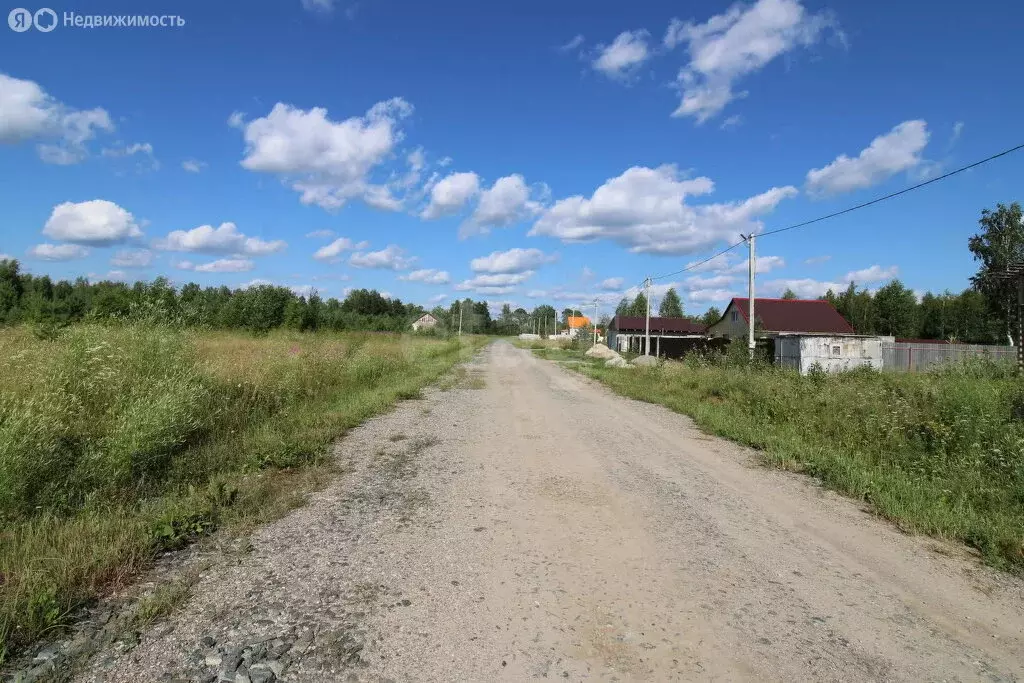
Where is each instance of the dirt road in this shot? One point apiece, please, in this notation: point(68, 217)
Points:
point(544, 527)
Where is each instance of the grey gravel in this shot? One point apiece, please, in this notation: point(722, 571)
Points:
point(543, 527)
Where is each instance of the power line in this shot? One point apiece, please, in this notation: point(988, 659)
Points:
point(895, 194)
point(850, 209)
point(698, 263)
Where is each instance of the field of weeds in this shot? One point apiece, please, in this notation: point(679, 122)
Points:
point(939, 452)
point(119, 442)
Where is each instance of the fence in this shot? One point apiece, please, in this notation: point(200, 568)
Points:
point(909, 356)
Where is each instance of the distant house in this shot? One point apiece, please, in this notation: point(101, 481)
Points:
point(425, 322)
point(802, 334)
point(671, 337)
point(578, 321)
point(780, 316)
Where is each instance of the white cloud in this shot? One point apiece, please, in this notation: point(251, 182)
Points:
point(437, 298)
point(303, 290)
point(132, 258)
point(816, 260)
point(612, 284)
point(898, 150)
point(340, 277)
point(236, 119)
point(625, 54)
point(58, 252)
point(444, 162)
point(574, 297)
point(417, 161)
point(321, 6)
point(512, 261)
point(428, 276)
point(720, 262)
point(224, 239)
point(805, 288)
point(390, 258)
point(736, 43)
point(193, 165)
point(332, 251)
point(450, 194)
point(505, 203)
point(645, 210)
point(320, 234)
point(732, 122)
point(95, 222)
point(874, 273)
point(27, 112)
point(224, 265)
point(711, 295)
point(328, 162)
point(143, 149)
point(958, 130)
point(808, 288)
point(697, 282)
point(6, 257)
point(765, 264)
point(658, 289)
point(573, 43)
point(110, 276)
point(129, 150)
point(494, 283)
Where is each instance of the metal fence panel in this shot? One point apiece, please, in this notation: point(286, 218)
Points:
point(908, 356)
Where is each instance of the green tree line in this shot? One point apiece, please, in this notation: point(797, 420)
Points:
point(39, 300)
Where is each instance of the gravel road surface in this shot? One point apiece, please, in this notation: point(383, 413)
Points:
point(542, 527)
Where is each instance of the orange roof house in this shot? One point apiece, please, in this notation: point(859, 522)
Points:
point(578, 321)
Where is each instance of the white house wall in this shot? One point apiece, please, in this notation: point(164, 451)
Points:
point(835, 354)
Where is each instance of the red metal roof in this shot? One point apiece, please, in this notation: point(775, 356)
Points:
point(794, 315)
point(622, 323)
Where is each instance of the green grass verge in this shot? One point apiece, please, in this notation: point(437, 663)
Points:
point(117, 443)
point(939, 453)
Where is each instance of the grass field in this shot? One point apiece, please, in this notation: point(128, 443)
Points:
point(119, 442)
point(940, 453)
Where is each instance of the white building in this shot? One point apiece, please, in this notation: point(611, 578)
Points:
point(831, 353)
point(426, 322)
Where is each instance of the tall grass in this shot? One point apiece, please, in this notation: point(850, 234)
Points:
point(938, 452)
point(119, 442)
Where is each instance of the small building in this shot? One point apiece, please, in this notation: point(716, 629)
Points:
point(425, 322)
point(831, 353)
point(670, 337)
point(780, 316)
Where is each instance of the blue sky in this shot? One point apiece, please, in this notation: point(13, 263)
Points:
point(533, 153)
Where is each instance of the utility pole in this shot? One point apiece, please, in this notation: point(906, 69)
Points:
point(595, 322)
point(647, 327)
point(751, 270)
point(460, 317)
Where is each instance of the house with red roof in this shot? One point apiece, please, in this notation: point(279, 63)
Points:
point(780, 316)
point(802, 333)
